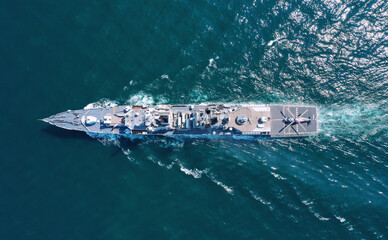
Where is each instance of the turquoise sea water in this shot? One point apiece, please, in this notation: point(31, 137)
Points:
point(59, 55)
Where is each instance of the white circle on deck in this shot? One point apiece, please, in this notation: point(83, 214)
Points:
point(90, 120)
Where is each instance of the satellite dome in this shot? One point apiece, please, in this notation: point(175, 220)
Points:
point(241, 119)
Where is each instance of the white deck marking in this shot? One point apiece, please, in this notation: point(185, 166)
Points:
point(288, 109)
point(303, 113)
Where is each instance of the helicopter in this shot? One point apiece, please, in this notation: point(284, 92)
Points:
point(294, 120)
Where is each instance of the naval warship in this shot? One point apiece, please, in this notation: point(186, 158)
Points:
point(269, 120)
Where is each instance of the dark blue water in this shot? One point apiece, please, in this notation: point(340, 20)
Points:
point(59, 55)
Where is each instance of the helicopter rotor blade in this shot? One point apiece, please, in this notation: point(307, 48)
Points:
point(294, 130)
point(282, 114)
point(285, 127)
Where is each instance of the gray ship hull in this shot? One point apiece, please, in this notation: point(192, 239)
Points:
point(272, 121)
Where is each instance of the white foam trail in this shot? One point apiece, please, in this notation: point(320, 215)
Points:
point(270, 43)
point(102, 103)
point(219, 183)
point(165, 76)
point(228, 189)
point(278, 176)
point(195, 172)
point(341, 219)
point(310, 206)
point(212, 63)
point(140, 99)
point(113, 139)
point(345, 222)
point(307, 203)
point(320, 217)
point(127, 153)
point(261, 200)
point(357, 120)
point(197, 96)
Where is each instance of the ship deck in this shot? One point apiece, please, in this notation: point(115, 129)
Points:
point(274, 127)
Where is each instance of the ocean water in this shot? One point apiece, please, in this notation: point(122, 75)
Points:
point(59, 55)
